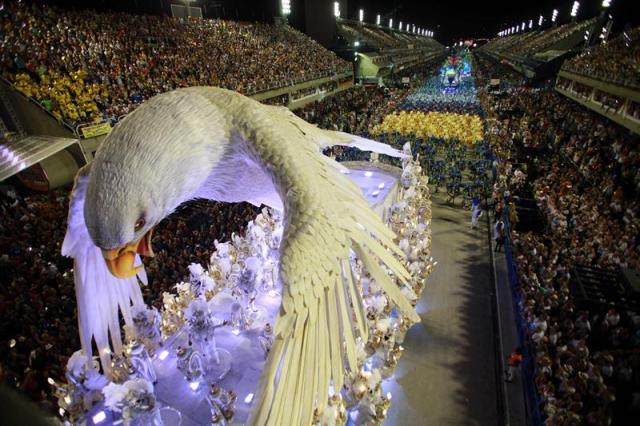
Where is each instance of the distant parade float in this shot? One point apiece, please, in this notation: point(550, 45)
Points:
point(450, 72)
point(299, 321)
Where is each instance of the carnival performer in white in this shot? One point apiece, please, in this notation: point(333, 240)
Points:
point(212, 143)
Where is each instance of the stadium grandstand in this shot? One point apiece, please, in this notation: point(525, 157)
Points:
point(319, 212)
point(380, 52)
point(535, 51)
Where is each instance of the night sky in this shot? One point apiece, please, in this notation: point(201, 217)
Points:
point(454, 20)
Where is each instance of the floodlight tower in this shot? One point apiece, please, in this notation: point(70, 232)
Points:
point(285, 8)
point(540, 20)
point(554, 17)
point(391, 23)
point(378, 19)
point(361, 15)
point(574, 11)
point(336, 9)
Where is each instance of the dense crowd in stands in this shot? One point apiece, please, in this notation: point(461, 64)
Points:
point(584, 177)
point(355, 110)
point(37, 302)
point(84, 66)
point(358, 109)
point(618, 60)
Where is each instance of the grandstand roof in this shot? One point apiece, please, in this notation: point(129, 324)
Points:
point(16, 156)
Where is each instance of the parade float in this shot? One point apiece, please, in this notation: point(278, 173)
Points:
point(298, 321)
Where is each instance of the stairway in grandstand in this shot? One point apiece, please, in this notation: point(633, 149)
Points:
point(9, 123)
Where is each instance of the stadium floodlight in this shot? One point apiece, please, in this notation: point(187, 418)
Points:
point(336, 9)
point(286, 7)
point(540, 20)
point(414, 27)
point(400, 25)
point(391, 23)
point(530, 23)
point(574, 8)
point(606, 3)
point(361, 15)
point(554, 15)
point(378, 19)
point(524, 25)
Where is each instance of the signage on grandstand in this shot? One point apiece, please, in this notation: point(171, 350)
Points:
point(95, 130)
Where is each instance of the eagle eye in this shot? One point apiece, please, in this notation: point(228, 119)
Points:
point(139, 224)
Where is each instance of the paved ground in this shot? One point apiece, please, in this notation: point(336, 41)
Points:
point(447, 374)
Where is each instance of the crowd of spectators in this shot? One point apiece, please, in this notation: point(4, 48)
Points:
point(355, 110)
point(84, 66)
point(584, 177)
point(618, 60)
point(358, 109)
point(37, 302)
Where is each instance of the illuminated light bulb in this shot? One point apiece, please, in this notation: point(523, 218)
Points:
point(99, 417)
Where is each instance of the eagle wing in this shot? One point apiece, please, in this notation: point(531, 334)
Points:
point(327, 138)
point(327, 220)
point(100, 296)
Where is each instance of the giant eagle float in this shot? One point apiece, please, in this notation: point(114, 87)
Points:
point(212, 143)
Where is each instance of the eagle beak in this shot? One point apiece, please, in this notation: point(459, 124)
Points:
point(120, 260)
